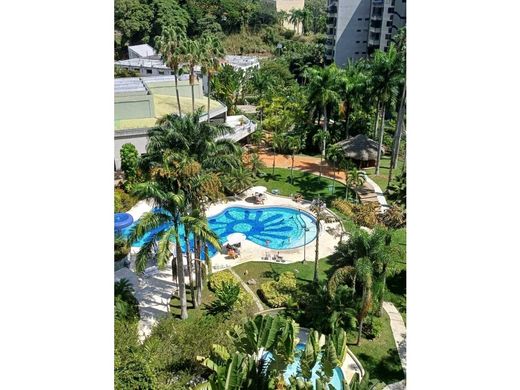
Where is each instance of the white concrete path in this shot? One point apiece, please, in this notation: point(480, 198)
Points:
point(398, 331)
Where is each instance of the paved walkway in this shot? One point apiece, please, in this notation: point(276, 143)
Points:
point(367, 193)
point(398, 331)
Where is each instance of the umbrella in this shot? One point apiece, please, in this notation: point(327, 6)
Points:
point(236, 238)
point(260, 189)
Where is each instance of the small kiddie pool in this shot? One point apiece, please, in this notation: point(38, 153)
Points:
point(122, 220)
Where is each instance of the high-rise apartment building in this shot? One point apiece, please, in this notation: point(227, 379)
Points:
point(355, 28)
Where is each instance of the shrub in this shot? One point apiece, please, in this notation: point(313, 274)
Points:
point(134, 373)
point(126, 306)
point(366, 214)
point(228, 297)
point(279, 293)
point(394, 217)
point(372, 327)
point(129, 161)
point(121, 248)
point(123, 201)
point(217, 279)
point(344, 206)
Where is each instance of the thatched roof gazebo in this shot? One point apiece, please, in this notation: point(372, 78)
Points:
point(362, 150)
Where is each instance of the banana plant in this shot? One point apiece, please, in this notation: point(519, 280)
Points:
point(230, 371)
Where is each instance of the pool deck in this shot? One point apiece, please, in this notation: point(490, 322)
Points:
point(154, 292)
point(250, 251)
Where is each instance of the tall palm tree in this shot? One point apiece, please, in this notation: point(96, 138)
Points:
point(197, 224)
point(353, 85)
point(294, 144)
point(262, 83)
point(167, 216)
point(336, 155)
point(321, 137)
point(364, 274)
point(397, 136)
point(171, 45)
point(213, 52)
point(193, 54)
point(385, 77)
point(277, 142)
point(322, 95)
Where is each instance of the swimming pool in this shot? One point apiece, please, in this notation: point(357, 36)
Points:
point(270, 227)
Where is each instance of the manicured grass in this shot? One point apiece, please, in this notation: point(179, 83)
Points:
point(382, 178)
point(262, 271)
point(379, 356)
point(307, 184)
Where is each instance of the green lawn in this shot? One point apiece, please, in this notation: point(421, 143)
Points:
point(307, 184)
point(379, 356)
point(382, 178)
point(262, 271)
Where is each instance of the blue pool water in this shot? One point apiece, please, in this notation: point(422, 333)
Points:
point(294, 369)
point(270, 227)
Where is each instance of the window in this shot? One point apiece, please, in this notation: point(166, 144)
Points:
point(389, 23)
point(358, 30)
point(359, 19)
point(357, 52)
point(366, 19)
point(357, 41)
point(364, 41)
point(148, 71)
point(388, 36)
point(161, 72)
point(390, 10)
point(363, 52)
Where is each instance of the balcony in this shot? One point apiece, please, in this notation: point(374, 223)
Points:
point(376, 17)
point(373, 42)
point(241, 125)
point(375, 29)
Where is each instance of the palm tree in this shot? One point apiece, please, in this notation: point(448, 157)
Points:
point(203, 141)
point(262, 83)
point(295, 144)
point(282, 16)
point(168, 206)
point(197, 224)
point(364, 274)
point(193, 54)
point(296, 18)
point(353, 86)
point(238, 179)
point(355, 179)
point(397, 136)
point(321, 138)
point(336, 155)
point(255, 164)
point(277, 142)
point(322, 94)
point(213, 52)
point(386, 73)
point(171, 45)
